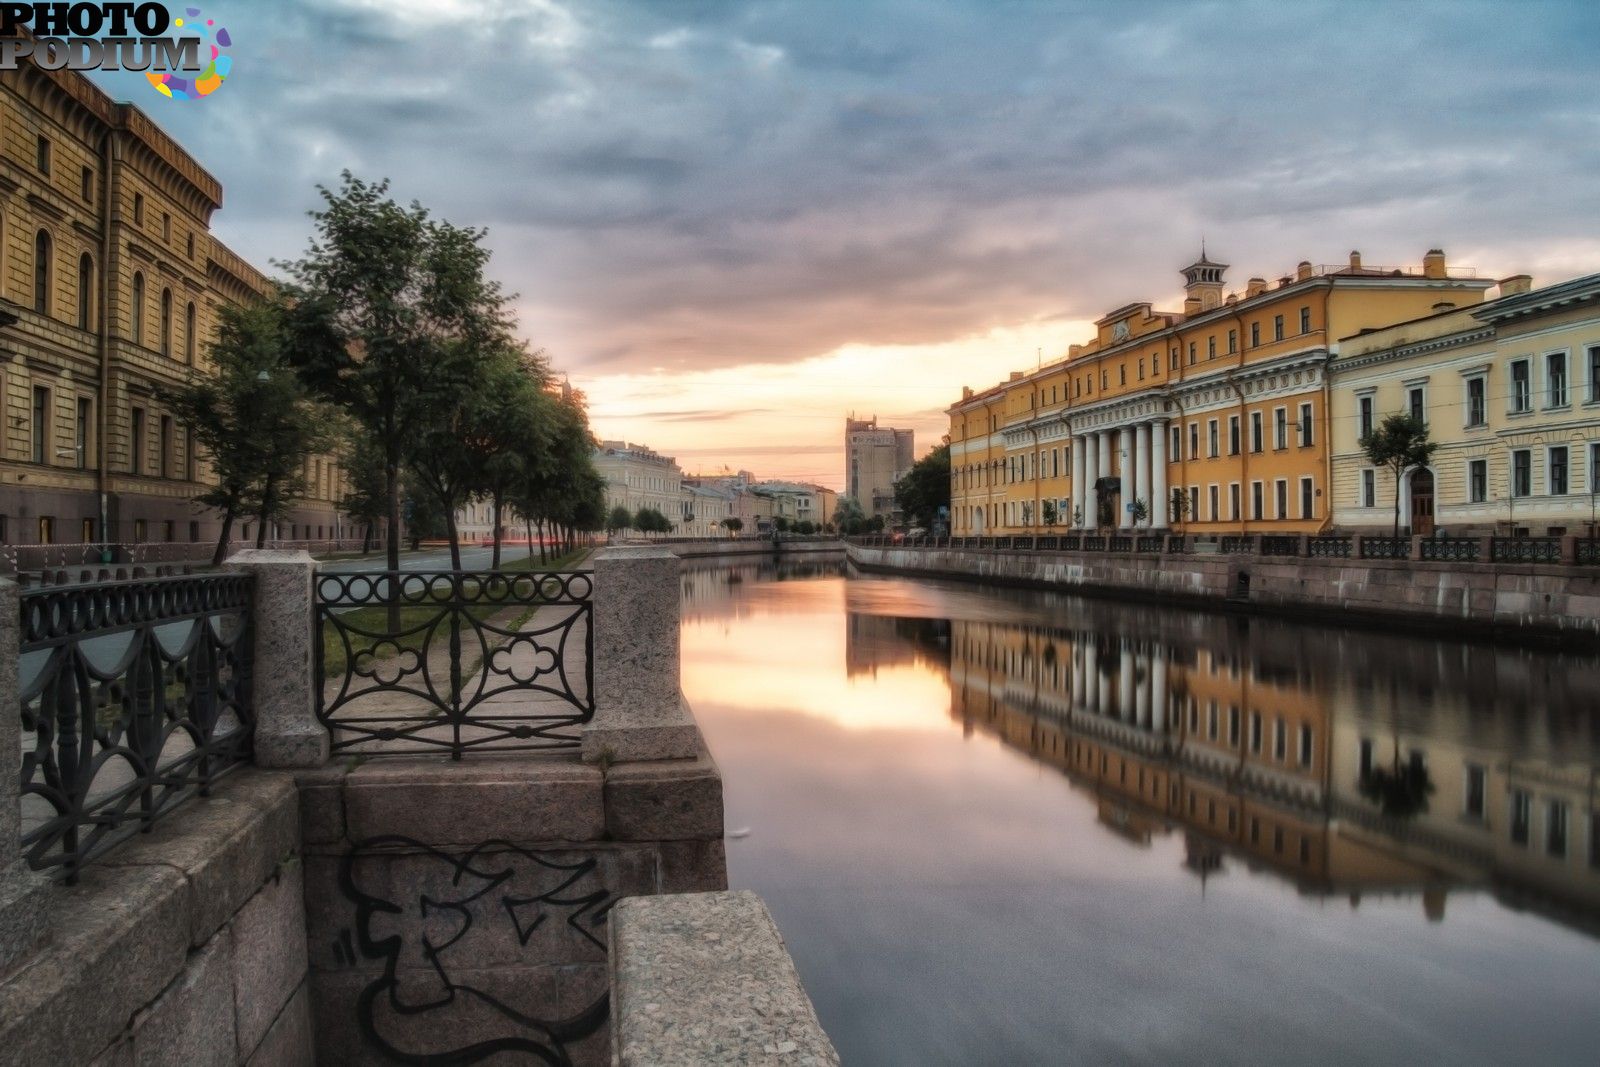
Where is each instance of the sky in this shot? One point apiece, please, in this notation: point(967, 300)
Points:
point(735, 222)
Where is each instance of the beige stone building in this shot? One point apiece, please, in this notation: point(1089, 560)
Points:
point(639, 477)
point(110, 281)
point(875, 457)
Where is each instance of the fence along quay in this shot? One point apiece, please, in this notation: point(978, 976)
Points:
point(241, 802)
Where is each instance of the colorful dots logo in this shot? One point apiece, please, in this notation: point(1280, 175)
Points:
point(216, 38)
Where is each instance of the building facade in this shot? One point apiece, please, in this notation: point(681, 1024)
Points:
point(875, 457)
point(110, 281)
point(1510, 392)
point(639, 477)
point(1211, 420)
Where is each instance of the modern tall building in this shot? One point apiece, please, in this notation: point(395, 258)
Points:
point(1213, 419)
point(110, 281)
point(875, 457)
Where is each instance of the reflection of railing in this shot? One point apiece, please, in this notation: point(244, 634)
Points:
point(1279, 545)
point(137, 696)
point(1238, 545)
point(494, 661)
point(1525, 550)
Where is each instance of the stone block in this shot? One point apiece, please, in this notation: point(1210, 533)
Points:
point(664, 800)
point(436, 801)
point(636, 640)
point(705, 978)
point(24, 907)
point(630, 735)
point(192, 1021)
point(692, 866)
point(269, 954)
point(118, 1055)
point(287, 731)
point(322, 803)
point(289, 1041)
point(226, 846)
point(116, 939)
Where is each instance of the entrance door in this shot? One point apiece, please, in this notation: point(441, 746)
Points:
point(1422, 503)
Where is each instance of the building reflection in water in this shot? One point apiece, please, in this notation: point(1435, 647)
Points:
point(1349, 763)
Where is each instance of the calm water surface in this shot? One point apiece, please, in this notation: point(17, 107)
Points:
point(1015, 828)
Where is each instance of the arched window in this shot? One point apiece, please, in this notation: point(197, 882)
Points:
point(188, 333)
point(166, 322)
point(41, 273)
point(136, 313)
point(85, 291)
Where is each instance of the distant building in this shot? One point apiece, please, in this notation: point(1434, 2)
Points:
point(639, 477)
point(874, 459)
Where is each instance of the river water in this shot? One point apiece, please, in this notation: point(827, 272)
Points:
point(1003, 827)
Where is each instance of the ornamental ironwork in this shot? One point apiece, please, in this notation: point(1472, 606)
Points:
point(454, 662)
point(1279, 545)
point(1525, 550)
point(1588, 553)
point(1149, 543)
point(1451, 549)
point(1233, 544)
point(1328, 547)
point(135, 697)
point(1386, 548)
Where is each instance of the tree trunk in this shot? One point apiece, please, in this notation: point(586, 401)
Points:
point(366, 539)
point(1397, 475)
point(222, 542)
point(455, 536)
point(266, 511)
point(495, 565)
point(528, 525)
point(541, 541)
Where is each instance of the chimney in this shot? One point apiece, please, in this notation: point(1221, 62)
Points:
point(1303, 270)
point(1016, 376)
point(1191, 306)
point(966, 392)
point(1233, 298)
point(1517, 283)
point(1433, 264)
point(1074, 351)
point(1355, 260)
point(1443, 305)
point(1255, 287)
point(1283, 281)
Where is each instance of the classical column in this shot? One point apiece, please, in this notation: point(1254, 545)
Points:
point(1158, 685)
point(1141, 470)
point(1125, 460)
point(1125, 705)
point(1160, 506)
point(1080, 445)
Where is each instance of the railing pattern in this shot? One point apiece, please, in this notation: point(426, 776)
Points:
point(1450, 549)
point(464, 640)
point(1328, 547)
point(1147, 544)
point(1094, 543)
point(1238, 544)
point(1119, 544)
point(1525, 550)
point(1279, 545)
point(135, 696)
point(1386, 548)
point(1588, 552)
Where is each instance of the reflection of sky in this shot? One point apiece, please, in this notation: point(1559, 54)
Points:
point(949, 900)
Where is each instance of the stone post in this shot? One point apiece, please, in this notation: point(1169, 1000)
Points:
point(638, 705)
point(24, 895)
point(1415, 549)
point(1569, 550)
point(287, 731)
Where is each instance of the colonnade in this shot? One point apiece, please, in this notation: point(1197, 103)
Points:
point(1138, 695)
point(1141, 454)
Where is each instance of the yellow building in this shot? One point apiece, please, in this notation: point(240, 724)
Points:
point(109, 287)
point(1214, 419)
point(1510, 390)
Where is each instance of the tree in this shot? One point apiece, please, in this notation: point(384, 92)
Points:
point(926, 488)
point(618, 520)
point(733, 525)
point(388, 301)
point(251, 416)
point(365, 502)
point(1050, 515)
point(1400, 443)
point(1180, 505)
point(848, 518)
point(780, 524)
point(1138, 511)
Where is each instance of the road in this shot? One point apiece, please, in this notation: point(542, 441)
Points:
point(473, 558)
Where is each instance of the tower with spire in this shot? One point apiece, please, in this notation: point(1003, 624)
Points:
point(1202, 284)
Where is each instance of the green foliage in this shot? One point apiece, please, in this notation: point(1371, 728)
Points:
point(925, 488)
point(619, 519)
point(1050, 515)
point(780, 524)
point(1138, 511)
point(650, 520)
point(848, 518)
point(733, 525)
point(1399, 443)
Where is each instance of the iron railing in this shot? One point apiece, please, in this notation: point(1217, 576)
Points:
point(1588, 552)
point(438, 678)
point(1119, 543)
point(1525, 550)
point(1094, 543)
point(1450, 549)
point(1328, 547)
point(1386, 548)
point(1177, 543)
point(135, 696)
point(1280, 545)
point(1232, 545)
point(1147, 543)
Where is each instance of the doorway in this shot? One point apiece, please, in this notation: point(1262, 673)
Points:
point(1422, 502)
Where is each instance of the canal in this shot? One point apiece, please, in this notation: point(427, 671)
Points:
point(1006, 827)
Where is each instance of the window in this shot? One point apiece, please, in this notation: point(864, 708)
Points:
point(85, 291)
point(136, 311)
point(41, 424)
point(136, 445)
point(1257, 501)
point(1233, 435)
point(188, 334)
point(1306, 440)
point(1177, 445)
point(1555, 828)
point(1521, 472)
point(1414, 403)
point(1277, 327)
point(1369, 489)
point(1477, 788)
point(1556, 483)
point(1233, 725)
point(1594, 374)
point(1308, 498)
point(1521, 387)
point(81, 438)
point(1305, 320)
point(88, 185)
point(141, 531)
point(1233, 501)
point(189, 246)
point(1364, 408)
point(47, 529)
point(165, 442)
point(1280, 428)
point(1194, 440)
point(166, 322)
point(42, 254)
point(1305, 746)
point(1233, 341)
point(1211, 436)
point(1282, 487)
point(43, 160)
point(1478, 481)
point(1594, 468)
point(1255, 335)
point(1521, 816)
point(1255, 732)
point(1213, 503)
point(1191, 353)
point(1477, 403)
point(1256, 441)
point(1555, 377)
point(1280, 739)
point(1211, 347)
point(1194, 501)
point(86, 532)
point(138, 209)
point(166, 235)
point(1364, 766)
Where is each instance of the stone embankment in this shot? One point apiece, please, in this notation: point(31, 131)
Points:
point(787, 548)
point(1533, 601)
